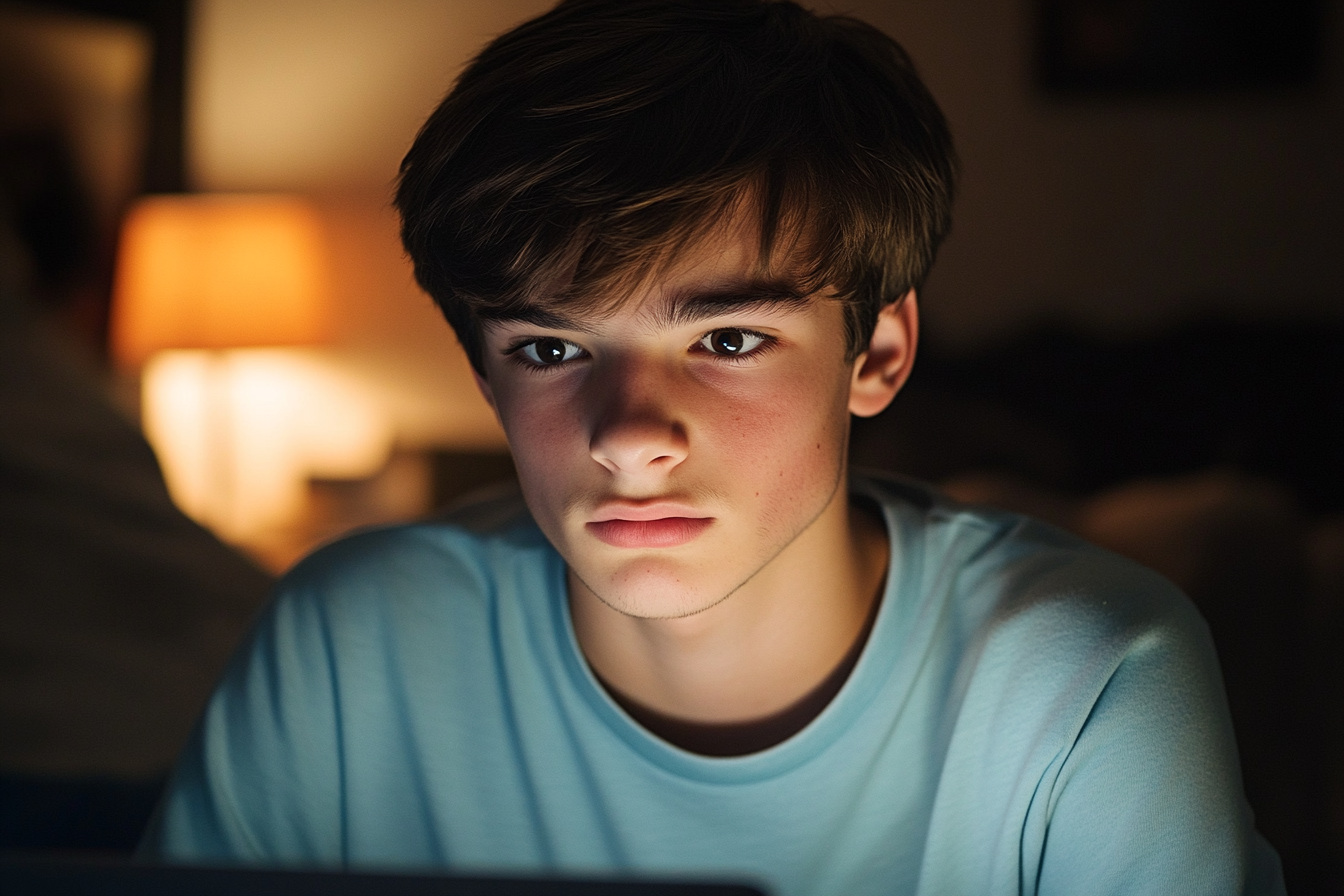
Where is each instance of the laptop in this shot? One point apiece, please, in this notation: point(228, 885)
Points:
point(57, 877)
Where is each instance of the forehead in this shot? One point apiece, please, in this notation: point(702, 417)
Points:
point(720, 270)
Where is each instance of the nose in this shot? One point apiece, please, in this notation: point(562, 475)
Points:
point(637, 430)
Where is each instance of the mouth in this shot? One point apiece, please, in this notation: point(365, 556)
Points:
point(653, 525)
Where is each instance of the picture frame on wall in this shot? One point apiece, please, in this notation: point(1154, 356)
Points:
point(1173, 47)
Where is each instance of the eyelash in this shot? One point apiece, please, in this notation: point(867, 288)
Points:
point(767, 344)
point(515, 351)
point(515, 354)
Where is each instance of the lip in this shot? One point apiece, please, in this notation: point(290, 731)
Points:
point(644, 510)
point(665, 532)
point(651, 524)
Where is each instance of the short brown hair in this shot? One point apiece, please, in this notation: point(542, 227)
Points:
point(588, 145)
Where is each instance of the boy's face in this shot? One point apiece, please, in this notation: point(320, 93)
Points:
point(673, 449)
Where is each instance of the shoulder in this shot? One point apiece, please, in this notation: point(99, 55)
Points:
point(367, 635)
point(466, 548)
point(1032, 617)
point(1009, 573)
point(444, 578)
point(1083, 698)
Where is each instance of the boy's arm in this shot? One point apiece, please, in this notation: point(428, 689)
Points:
point(1149, 797)
point(259, 780)
point(1093, 752)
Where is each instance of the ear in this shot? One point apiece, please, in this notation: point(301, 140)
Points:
point(881, 371)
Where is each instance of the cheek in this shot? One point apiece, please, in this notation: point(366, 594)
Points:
point(535, 415)
point(543, 436)
point(790, 431)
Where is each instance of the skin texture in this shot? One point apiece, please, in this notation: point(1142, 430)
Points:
point(717, 571)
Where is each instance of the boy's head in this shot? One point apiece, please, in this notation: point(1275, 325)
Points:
point(674, 239)
point(583, 150)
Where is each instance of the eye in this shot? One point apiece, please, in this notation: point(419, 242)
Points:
point(731, 342)
point(549, 351)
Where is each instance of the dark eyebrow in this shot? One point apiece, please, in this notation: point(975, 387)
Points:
point(700, 305)
point(684, 308)
point(539, 317)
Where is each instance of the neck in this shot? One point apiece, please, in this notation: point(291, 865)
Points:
point(763, 649)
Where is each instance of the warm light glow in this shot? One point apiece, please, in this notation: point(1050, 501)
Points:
point(218, 271)
point(203, 283)
point(239, 433)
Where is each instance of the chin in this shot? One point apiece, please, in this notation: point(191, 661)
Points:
point(653, 590)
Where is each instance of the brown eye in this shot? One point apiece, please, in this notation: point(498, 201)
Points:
point(550, 351)
point(731, 342)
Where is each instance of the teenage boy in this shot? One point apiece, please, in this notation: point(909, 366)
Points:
point(681, 243)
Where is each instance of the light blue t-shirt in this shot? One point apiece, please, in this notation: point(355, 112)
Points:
point(1030, 715)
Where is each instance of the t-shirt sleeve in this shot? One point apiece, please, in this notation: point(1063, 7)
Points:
point(259, 779)
point(1149, 797)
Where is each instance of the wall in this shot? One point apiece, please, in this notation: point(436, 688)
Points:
point(1122, 214)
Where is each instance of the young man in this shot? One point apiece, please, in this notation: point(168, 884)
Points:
point(681, 244)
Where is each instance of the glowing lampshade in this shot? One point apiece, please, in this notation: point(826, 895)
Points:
point(218, 271)
point(214, 295)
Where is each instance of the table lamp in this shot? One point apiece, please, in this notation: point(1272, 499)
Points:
point(214, 300)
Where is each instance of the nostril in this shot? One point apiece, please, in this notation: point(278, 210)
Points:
point(639, 444)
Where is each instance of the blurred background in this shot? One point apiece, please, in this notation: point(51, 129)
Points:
point(1135, 331)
